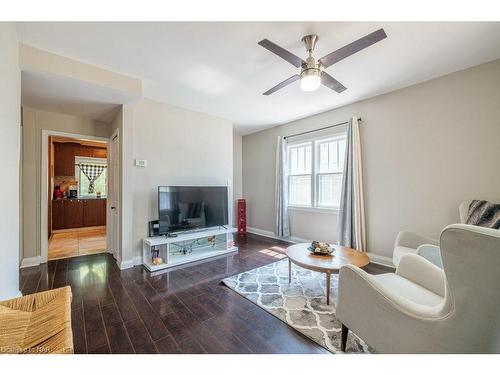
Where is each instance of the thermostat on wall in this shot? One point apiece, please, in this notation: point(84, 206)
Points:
point(141, 163)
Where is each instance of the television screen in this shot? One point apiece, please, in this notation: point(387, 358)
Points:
point(183, 208)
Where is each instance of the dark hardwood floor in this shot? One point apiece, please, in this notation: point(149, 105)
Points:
point(184, 310)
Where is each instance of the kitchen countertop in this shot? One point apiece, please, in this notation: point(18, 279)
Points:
point(81, 199)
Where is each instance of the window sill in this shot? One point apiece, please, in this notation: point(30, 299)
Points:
point(330, 211)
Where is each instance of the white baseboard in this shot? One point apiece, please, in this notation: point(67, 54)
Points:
point(261, 232)
point(269, 234)
point(380, 259)
point(124, 264)
point(30, 262)
point(135, 261)
point(374, 258)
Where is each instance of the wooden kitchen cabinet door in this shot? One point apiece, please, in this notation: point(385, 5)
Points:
point(94, 212)
point(57, 215)
point(73, 213)
point(64, 159)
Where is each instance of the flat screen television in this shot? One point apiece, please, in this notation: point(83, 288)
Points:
point(185, 208)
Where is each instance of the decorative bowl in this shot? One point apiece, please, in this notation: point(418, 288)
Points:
point(320, 248)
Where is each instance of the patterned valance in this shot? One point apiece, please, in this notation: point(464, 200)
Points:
point(92, 172)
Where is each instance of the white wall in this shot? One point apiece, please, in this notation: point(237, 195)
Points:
point(10, 135)
point(181, 147)
point(34, 121)
point(425, 148)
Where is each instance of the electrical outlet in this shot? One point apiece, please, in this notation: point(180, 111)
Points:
point(141, 163)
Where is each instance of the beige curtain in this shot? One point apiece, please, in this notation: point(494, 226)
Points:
point(351, 228)
point(282, 226)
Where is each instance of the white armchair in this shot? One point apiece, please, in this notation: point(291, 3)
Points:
point(424, 309)
point(411, 243)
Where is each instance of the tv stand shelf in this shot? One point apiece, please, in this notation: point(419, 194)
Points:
point(187, 247)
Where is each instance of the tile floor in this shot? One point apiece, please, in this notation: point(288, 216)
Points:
point(79, 241)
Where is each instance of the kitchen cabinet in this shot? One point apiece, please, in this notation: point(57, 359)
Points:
point(78, 213)
point(99, 153)
point(57, 215)
point(64, 156)
point(94, 212)
point(73, 213)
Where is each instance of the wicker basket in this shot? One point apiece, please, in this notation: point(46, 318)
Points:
point(38, 323)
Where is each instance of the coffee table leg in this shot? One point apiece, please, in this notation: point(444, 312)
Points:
point(328, 288)
point(289, 271)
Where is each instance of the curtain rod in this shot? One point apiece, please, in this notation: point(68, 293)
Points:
point(317, 130)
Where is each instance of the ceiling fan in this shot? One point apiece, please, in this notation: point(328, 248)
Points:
point(312, 75)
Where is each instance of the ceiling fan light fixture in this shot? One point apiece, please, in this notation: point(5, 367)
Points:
point(310, 80)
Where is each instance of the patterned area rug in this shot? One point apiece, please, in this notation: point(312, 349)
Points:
point(300, 304)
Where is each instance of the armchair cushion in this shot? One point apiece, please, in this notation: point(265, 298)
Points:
point(422, 272)
point(408, 289)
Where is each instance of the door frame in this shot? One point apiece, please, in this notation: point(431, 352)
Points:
point(44, 177)
point(113, 215)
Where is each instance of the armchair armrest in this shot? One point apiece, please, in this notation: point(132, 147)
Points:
point(358, 289)
point(421, 271)
point(413, 240)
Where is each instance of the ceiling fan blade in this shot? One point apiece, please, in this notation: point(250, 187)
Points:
point(282, 84)
point(352, 48)
point(330, 82)
point(281, 52)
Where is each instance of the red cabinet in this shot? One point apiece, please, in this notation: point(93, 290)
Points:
point(241, 207)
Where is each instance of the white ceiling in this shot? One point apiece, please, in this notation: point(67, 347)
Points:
point(218, 68)
point(70, 96)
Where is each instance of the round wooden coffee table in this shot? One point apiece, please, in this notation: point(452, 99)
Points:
point(328, 264)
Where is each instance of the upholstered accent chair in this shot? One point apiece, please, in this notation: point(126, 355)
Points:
point(408, 242)
point(424, 309)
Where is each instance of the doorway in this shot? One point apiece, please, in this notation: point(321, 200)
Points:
point(74, 195)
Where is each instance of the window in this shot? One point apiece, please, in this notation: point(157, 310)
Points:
point(100, 184)
point(315, 172)
point(299, 179)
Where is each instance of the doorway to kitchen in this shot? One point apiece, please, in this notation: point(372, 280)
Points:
point(77, 187)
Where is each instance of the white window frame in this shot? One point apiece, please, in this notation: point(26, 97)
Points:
point(314, 142)
point(89, 160)
point(290, 146)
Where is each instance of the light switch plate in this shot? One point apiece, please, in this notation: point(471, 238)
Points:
point(141, 163)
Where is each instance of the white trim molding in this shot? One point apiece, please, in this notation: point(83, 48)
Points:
point(135, 261)
point(269, 234)
point(316, 210)
point(380, 259)
point(30, 262)
point(44, 176)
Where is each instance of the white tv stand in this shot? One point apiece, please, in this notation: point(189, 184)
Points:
point(187, 247)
